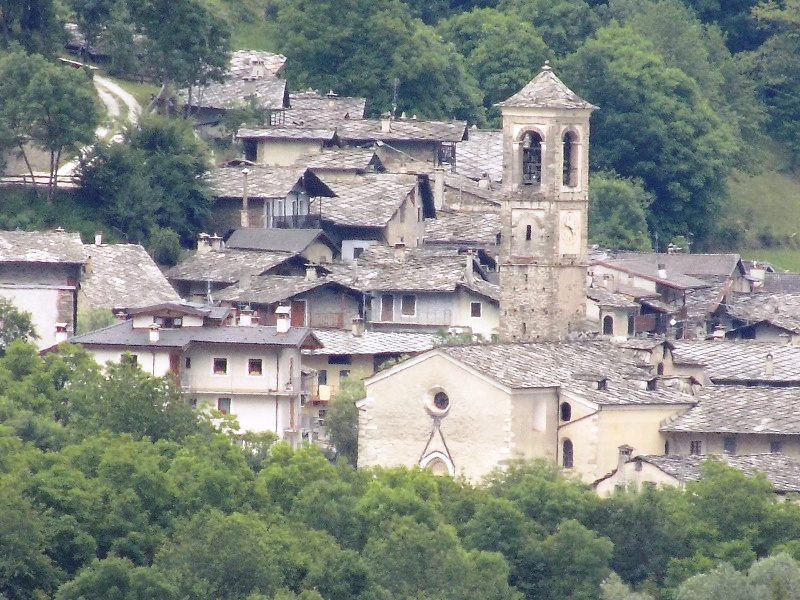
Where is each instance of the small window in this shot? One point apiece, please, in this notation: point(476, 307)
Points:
point(567, 458)
point(441, 401)
point(695, 447)
point(220, 366)
point(408, 305)
point(254, 366)
point(531, 158)
point(566, 411)
point(570, 154)
point(224, 405)
point(608, 325)
point(193, 403)
point(344, 373)
point(339, 359)
point(528, 233)
point(475, 309)
point(437, 402)
point(129, 359)
point(322, 377)
point(652, 385)
point(775, 447)
point(729, 445)
point(357, 252)
point(187, 363)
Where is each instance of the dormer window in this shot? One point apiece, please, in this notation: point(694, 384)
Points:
point(168, 322)
point(531, 158)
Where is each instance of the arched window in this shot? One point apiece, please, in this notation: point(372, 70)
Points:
point(567, 458)
point(532, 158)
point(608, 325)
point(631, 325)
point(570, 163)
point(660, 368)
point(566, 411)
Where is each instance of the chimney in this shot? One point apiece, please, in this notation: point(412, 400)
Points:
point(662, 271)
point(311, 272)
point(203, 243)
point(484, 183)
point(216, 242)
point(98, 238)
point(469, 274)
point(249, 86)
point(155, 333)
point(246, 317)
point(438, 188)
point(400, 252)
point(61, 333)
point(245, 217)
point(88, 267)
point(625, 452)
point(386, 124)
point(283, 319)
point(769, 367)
point(358, 326)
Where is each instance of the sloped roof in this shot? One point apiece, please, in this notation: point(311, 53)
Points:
point(264, 182)
point(463, 227)
point(610, 299)
point(368, 201)
point(780, 310)
point(546, 91)
point(781, 283)
point(402, 130)
point(124, 276)
point(242, 62)
point(684, 271)
point(481, 153)
point(287, 132)
point(227, 266)
point(41, 247)
point(742, 360)
point(741, 409)
point(335, 341)
point(342, 106)
point(277, 288)
point(277, 240)
point(268, 93)
point(123, 335)
point(358, 160)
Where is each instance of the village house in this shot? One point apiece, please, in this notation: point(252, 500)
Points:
point(248, 370)
point(311, 244)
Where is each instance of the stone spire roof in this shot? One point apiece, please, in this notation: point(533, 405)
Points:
point(546, 91)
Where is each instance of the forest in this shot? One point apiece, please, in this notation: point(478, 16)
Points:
point(111, 486)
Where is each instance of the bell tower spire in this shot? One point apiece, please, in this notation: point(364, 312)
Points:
point(544, 211)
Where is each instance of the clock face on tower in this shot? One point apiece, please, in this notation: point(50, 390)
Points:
point(569, 239)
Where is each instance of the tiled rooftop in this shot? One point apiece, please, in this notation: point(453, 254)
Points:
point(41, 247)
point(227, 266)
point(743, 360)
point(367, 201)
point(481, 153)
point(371, 342)
point(610, 299)
point(546, 91)
point(403, 130)
point(275, 288)
point(262, 182)
point(782, 310)
point(467, 228)
point(275, 240)
point(357, 160)
point(287, 132)
point(267, 92)
point(342, 106)
point(782, 282)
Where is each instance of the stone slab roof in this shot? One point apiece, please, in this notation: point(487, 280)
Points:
point(242, 62)
point(683, 271)
point(465, 228)
point(459, 185)
point(481, 153)
point(781, 282)
point(779, 309)
point(275, 240)
point(367, 201)
point(268, 93)
point(782, 471)
point(287, 132)
point(226, 266)
point(741, 409)
point(124, 276)
point(271, 289)
point(262, 182)
point(336, 341)
point(41, 247)
point(357, 160)
point(123, 335)
point(742, 360)
point(344, 107)
point(402, 130)
point(607, 298)
point(566, 365)
point(546, 91)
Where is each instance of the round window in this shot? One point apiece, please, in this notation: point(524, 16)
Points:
point(437, 402)
point(441, 401)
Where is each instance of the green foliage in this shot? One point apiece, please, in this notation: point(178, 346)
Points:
point(341, 420)
point(32, 24)
point(119, 579)
point(95, 318)
point(618, 213)
point(165, 246)
point(15, 324)
point(614, 588)
point(563, 24)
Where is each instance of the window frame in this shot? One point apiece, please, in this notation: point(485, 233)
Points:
point(472, 311)
point(695, 447)
point(412, 298)
point(219, 365)
point(221, 402)
point(251, 371)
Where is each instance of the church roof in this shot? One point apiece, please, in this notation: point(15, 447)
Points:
point(546, 91)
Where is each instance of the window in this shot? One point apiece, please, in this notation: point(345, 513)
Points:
point(128, 359)
point(528, 233)
point(193, 403)
point(608, 325)
point(652, 385)
point(775, 447)
point(357, 252)
point(224, 405)
point(729, 445)
point(254, 366)
point(567, 458)
point(169, 322)
point(437, 402)
point(408, 305)
point(441, 401)
point(695, 447)
point(187, 363)
point(322, 377)
point(339, 359)
point(566, 411)
point(570, 166)
point(531, 158)
point(387, 307)
point(344, 373)
point(220, 366)
point(475, 309)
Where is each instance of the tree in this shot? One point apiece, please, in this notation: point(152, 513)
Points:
point(654, 125)
point(617, 213)
point(613, 588)
point(91, 16)
point(341, 420)
point(31, 23)
point(563, 24)
point(15, 324)
point(119, 579)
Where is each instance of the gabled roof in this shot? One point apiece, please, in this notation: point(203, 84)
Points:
point(402, 130)
point(123, 276)
point(730, 362)
point(463, 227)
point(268, 93)
point(369, 200)
point(343, 107)
point(546, 91)
point(41, 247)
point(172, 308)
point(781, 283)
point(610, 299)
point(356, 160)
point(243, 62)
point(683, 271)
point(288, 132)
point(779, 310)
point(271, 289)
point(264, 182)
point(276, 240)
point(481, 154)
point(336, 341)
point(227, 266)
point(123, 335)
point(763, 410)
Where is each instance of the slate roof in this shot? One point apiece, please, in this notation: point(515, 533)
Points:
point(546, 91)
point(697, 266)
point(264, 182)
point(782, 471)
point(275, 240)
point(124, 276)
point(481, 153)
point(123, 335)
point(781, 282)
point(268, 93)
point(462, 227)
point(227, 266)
point(460, 184)
point(567, 365)
point(607, 298)
point(242, 62)
point(740, 409)
point(408, 130)
point(342, 106)
point(369, 200)
point(41, 247)
point(336, 341)
point(288, 132)
point(358, 160)
point(737, 361)
point(276, 288)
point(781, 310)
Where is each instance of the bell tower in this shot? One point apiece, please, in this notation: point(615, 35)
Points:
point(544, 210)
